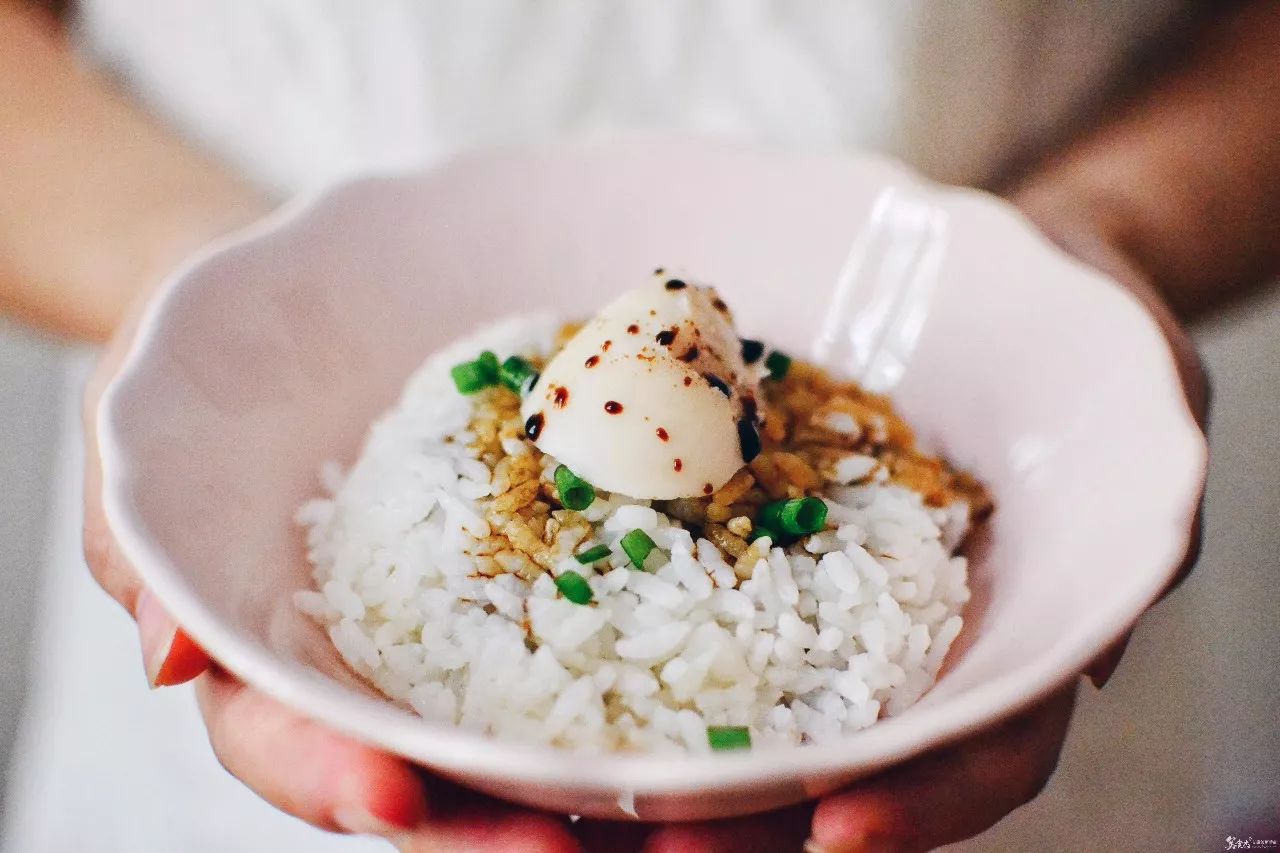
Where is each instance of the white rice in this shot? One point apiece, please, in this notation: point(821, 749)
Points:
point(827, 636)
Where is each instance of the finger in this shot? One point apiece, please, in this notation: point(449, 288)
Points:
point(949, 795)
point(168, 654)
point(109, 567)
point(1104, 665)
point(462, 820)
point(613, 836)
point(303, 768)
point(786, 829)
point(335, 783)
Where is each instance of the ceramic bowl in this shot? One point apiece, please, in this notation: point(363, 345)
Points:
point(271, 351)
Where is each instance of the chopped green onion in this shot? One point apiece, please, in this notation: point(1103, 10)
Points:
point(469, 377)
point(762, 531)
point(518, 375)
point(770, 516)
point(751, 350)
point(797, 517)
point(729, 737)
point(574, 587)
point(473, 376)
point(488, 362)
point(592, 555)
point(575, 492)
point(804, 515)
point(778, 364)
point(638, 546)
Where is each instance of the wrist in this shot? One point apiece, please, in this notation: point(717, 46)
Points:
point(103, 276)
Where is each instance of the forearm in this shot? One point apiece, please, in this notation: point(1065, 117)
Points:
point(1184, 179)
point(96, 201)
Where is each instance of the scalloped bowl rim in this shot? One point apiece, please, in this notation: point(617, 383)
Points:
point(453, 748)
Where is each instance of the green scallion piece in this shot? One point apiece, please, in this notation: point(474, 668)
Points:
point(488, 362)
point(638, 546)
point(777, 364)
point(574, 587)
point(592, 555)
point(575, 493)
point(760, 531)
point(517, 374)
point(728, 737)
point(469, 377)
point(770, 516)
point(796, 517)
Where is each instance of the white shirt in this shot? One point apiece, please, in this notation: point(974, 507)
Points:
point(298, 92)
point(301, 92)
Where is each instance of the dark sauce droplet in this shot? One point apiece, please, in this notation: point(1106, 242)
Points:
point(751, 350)
point(666, 337)
point(748, 439)
point(719, 304)
point(676, 284)
point(613, 407)
point(561, 397)
point(679, 464)
point(533, 426)
point(708, 489)
point(719, 384)
point(690, 354)
point(659, 271)
point(633, 329)
point(688, 380)
point(750, 408)
point(604, 347)
point(662, 434)
point(592, 361)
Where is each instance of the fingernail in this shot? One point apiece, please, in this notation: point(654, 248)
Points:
point(168, 654)
point(359, 821)
point(157, 632)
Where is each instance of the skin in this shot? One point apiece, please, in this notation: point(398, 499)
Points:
point(1175, 194)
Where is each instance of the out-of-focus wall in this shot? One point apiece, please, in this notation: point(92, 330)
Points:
point(30, 392)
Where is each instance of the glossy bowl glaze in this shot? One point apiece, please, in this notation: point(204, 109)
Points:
point(272, 351)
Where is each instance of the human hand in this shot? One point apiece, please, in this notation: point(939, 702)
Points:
point(296, 764)
point(944, 796)
point(962, 790)
point(338, 784)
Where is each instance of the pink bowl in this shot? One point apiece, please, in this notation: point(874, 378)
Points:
point(272, 351)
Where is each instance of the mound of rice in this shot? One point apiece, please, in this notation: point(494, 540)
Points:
point(812, 641)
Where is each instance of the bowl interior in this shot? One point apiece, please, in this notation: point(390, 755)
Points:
point(272, 353)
